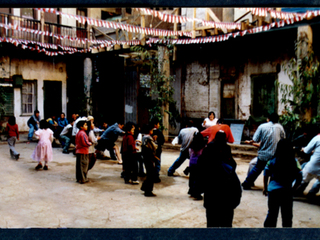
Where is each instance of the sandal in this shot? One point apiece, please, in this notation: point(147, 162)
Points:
point(39, 166)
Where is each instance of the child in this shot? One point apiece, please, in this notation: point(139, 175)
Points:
point(129, 152)
point(195, 150)
point(43, 150)
point(82, 152)
point(159, 138)
point(94, 141)
point(138, 137)
point(282, 171)
point(13, 134)
point(149, 149)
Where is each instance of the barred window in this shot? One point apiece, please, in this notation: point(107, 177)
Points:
point(28, 97)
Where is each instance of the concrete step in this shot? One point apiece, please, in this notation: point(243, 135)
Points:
point(242, 151)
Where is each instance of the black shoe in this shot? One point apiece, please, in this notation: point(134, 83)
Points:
point(170, 174)
point(186, 171)
point(246, 186)
point(17, 156)
point(197, 197)
point(66, 152)
point(39, 166)
point(157, 180)
point(149, 194)
point(45, 167)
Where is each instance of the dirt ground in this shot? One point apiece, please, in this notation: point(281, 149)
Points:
point(53, 199)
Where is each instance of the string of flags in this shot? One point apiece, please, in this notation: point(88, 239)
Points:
point(181, 19)
point(263, 12)
point(287, 19)
point(67, 37)
point(116, 25)
point(224, 37)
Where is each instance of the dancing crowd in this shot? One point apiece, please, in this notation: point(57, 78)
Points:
point(211, 170)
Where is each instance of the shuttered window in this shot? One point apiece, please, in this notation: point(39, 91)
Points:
point(8, 105)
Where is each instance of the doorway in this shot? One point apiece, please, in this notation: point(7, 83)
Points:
point(52, 94)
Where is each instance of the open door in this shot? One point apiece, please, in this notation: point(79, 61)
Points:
point(52, 97)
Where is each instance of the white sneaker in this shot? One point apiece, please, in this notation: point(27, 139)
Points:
point(135, 182)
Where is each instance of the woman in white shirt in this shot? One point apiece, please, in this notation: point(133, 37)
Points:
point(210, 120)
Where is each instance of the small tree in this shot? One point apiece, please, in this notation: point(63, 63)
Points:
point(161, 86)
point(301, 97)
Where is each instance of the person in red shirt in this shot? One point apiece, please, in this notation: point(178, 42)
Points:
point(13, 135)
point(82, 152)
point(211, 131)
point(129, 155)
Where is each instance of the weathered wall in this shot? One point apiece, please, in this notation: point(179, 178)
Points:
point(69, 21)
point(196, 90)
point(39, 70)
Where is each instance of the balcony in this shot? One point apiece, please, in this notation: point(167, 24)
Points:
point(23, 26)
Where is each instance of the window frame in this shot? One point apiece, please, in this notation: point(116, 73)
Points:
point(34, 97)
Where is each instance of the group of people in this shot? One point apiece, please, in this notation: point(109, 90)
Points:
point(212, 168)
point(140, 155)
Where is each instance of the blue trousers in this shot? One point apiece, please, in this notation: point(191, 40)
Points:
point(255, 172)
point(31, 131)
point(182, 157)
point(279, 199)
point(67, 142)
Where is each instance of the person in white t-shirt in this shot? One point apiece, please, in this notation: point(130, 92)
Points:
point(210, 120)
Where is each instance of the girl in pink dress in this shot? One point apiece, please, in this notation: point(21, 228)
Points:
point(43, 150)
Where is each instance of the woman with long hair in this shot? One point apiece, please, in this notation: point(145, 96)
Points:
point(282, 171)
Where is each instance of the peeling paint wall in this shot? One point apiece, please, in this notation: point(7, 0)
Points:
point(196, 90)
point(40, 71)
point(252, 68)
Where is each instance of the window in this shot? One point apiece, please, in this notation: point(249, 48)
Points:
point(28, 97)
point(263, 95)
point(83, 13)
point(27, 13)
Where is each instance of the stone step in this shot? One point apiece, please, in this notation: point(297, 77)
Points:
point(246, 152)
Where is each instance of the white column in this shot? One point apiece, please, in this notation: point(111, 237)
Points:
point(87, 82)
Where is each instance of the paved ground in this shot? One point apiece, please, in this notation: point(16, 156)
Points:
point(52, 199)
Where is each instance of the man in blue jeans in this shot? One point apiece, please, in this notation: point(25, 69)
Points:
point(185, 138)
point(33, 124)
point(266, 138)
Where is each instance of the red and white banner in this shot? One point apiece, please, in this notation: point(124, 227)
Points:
point(224, 37)
point(115, 25)
point(67, 37)
point(180, 19)
point(263, 12)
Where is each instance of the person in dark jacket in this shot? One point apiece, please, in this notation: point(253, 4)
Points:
point(220, 183)
point(159, 139)
point(33, 124)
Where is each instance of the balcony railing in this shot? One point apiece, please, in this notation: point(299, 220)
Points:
point(53, 28)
